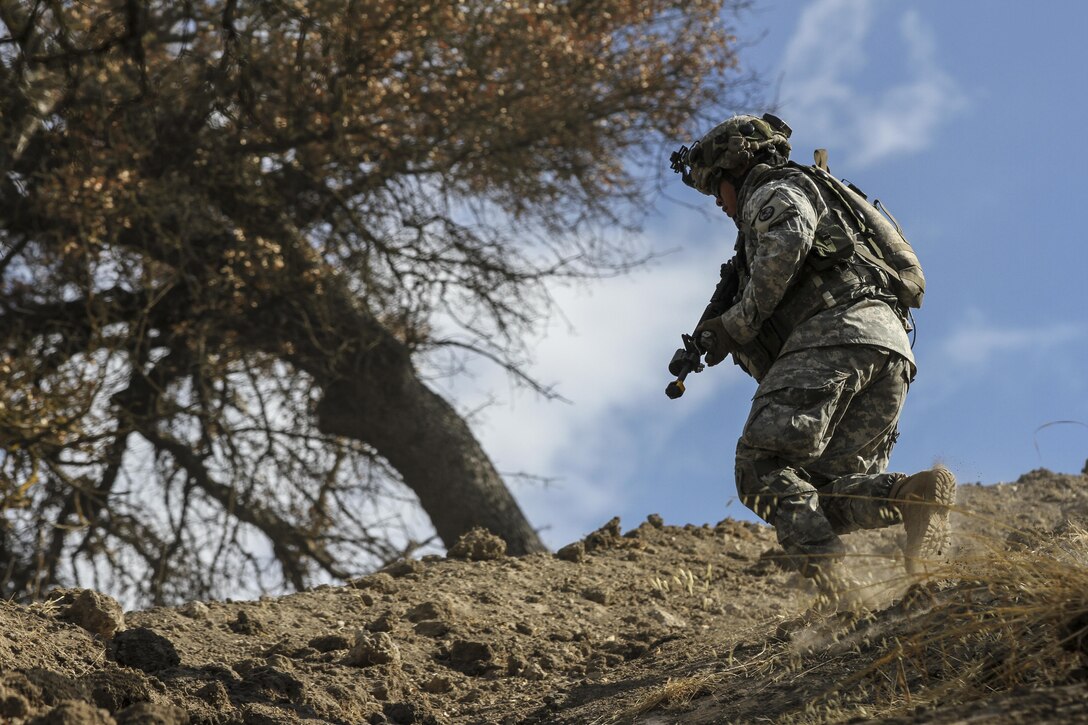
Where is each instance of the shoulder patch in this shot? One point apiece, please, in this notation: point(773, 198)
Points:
point(779, 203)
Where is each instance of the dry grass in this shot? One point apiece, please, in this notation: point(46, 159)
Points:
point(674, 693)
point(1005, 617)
point(685, 582)
point(1009, 613)
point(47, 607)
point(677, 692)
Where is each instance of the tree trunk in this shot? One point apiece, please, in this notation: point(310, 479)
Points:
point(372, 393)
point(434, 451)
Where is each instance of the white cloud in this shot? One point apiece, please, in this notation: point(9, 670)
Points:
point(821, 68)
point(609, 350)
point(812, 54)
point(975, 344)
point(978, 354)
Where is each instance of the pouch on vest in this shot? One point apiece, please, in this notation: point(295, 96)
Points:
point(881, 243)
point(832, 243)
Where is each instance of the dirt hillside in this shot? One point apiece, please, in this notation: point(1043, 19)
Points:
point(651, 624)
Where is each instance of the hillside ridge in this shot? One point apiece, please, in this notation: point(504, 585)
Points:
point(656, 624)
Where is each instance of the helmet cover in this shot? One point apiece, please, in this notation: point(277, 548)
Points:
point(731, 148)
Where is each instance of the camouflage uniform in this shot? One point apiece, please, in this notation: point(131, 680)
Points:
point(831, 353)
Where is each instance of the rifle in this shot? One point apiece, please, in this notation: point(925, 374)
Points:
point(688, 359)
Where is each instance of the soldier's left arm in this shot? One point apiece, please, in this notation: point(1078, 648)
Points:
point(783, 221)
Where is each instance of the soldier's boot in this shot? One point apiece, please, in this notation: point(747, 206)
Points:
point(925, 501)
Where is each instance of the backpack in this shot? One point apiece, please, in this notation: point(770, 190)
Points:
point(880, 241)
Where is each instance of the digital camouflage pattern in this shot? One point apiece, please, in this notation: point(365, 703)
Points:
point(812, 457)
point(780, 221)
point(834, 364)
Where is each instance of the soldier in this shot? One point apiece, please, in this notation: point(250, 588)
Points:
point(818, 323)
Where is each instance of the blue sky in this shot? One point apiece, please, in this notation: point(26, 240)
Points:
point(966, 118)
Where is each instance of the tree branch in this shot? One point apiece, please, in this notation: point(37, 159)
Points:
point(289, 544)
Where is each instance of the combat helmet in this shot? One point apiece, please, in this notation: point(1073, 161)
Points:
point(730, 150)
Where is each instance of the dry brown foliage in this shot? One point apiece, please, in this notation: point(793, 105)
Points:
point(227, 227)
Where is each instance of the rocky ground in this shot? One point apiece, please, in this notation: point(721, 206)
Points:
point(655, 624)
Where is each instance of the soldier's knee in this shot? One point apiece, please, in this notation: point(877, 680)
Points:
point(752, 491)
point(762, 482)
point(747, 477)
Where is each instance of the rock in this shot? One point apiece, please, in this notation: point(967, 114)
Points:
point(472, 658)
point(735, 529)
point(597, 594)
point(18, 695)
point(515, 663)
point(380, 582)
point(143, 649)
point(575, 552)
point(384, 623)
point(606, 537)
point(52, 687)
point(401, 713)
point(12, 704)
point(403, 567)
point(280, 662)
point(479, 544)
point(655, 520)
point(74, 712)
point(115, 689)
point(373, 649)
point(246, 623)
point(261, 713)
point(383, 690)
point(97, 613)
point(662, 616)
point(273, 683)
point(432, 628)
point(243, 666)
point(152, 713)
point(428, 610)
point(438, 685)
point(195, 610)
point(534, 672)
point(330, 642)
point(215, 695)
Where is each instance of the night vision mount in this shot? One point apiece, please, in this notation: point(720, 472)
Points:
point(778, 124)
point(678, 162)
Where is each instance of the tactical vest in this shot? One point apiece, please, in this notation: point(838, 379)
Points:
point(835, 272)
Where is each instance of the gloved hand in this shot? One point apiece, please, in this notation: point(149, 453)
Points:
point(718, 344)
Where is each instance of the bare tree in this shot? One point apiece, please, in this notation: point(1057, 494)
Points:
point(230, 228)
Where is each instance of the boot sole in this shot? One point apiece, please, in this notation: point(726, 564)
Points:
point(929, 533)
